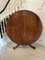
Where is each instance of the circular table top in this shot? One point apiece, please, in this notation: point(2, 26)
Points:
point(24, 27)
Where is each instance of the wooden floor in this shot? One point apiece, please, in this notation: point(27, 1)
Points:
point(22, 52)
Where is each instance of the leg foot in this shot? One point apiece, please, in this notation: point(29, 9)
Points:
point(32, 47)
point(15, 47)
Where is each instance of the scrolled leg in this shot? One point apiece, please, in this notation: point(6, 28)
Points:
point(15, 47)
point(32, 47)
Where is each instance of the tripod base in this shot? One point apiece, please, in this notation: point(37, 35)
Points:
point(29, 45)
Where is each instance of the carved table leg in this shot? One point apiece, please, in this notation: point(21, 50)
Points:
point(32, 47)
point(15, 47)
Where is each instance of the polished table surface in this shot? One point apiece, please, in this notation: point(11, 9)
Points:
point(24, 27)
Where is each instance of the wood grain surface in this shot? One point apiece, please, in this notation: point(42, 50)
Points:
point(24, 27)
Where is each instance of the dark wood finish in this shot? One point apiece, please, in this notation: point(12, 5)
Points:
point(24, 27)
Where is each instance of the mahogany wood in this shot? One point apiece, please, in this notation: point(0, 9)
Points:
point(24, 27)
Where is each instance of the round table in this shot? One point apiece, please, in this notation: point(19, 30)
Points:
point(24, 27)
